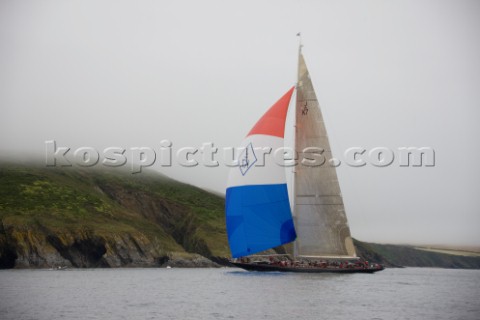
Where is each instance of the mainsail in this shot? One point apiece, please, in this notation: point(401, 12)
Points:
point(319, 214)
point(258, 213)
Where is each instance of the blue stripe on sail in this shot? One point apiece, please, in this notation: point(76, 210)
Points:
point(258, 218)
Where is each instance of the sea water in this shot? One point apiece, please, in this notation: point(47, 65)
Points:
point(229, 293)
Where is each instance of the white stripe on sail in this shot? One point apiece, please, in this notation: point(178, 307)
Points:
point(250, 171)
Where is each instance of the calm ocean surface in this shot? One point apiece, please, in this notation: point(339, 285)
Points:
point(411, 293)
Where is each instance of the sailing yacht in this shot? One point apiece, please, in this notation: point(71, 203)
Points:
point(259, 216)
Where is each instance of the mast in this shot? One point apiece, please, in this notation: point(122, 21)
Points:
point(294, 198)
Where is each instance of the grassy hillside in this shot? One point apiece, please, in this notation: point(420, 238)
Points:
point(43, 210)
point(111, 218)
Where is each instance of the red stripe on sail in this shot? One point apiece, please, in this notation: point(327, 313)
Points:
point(273, 121)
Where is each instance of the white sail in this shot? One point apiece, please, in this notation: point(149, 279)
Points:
point(319, 213)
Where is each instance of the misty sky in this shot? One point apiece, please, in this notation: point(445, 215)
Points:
point(133, 73)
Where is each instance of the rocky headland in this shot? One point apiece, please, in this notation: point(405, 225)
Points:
point(86, 218)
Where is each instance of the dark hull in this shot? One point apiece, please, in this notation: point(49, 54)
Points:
point(270, 268)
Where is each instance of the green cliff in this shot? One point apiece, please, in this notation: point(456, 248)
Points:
point(51, 217)
point(91, 218)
